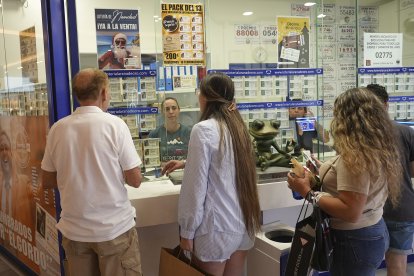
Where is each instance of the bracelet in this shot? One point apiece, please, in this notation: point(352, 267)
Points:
point(310, 195)
point(319, 195)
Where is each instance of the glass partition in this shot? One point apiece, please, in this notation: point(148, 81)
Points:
point(386, 56)
point(300, 57)
point(27, 215)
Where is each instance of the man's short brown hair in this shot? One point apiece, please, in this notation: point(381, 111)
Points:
point(88, 83)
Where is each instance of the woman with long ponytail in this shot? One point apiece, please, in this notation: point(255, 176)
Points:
point(218, 211)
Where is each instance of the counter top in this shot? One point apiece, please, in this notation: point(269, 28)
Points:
point(156, 201)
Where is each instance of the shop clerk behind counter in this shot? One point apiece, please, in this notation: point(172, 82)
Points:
point(304, 138)
point(174, 135)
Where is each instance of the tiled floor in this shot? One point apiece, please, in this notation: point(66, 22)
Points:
point(8, 269)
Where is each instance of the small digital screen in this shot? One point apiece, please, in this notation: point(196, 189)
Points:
point(306, 123)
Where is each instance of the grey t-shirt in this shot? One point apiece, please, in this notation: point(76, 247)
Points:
point(404, 211)
point(174, 146)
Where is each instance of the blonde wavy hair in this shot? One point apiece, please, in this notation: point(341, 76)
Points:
point(363, 136)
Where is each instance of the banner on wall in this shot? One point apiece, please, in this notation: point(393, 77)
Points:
point(293, 42)
point(383, 49)
point(118, 39)
point(27, 214)
point(183, 34)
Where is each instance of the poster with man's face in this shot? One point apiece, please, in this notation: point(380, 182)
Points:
point(118, 39)
point(27, 211)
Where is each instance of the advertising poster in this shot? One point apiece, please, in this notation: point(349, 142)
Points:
point(327, 109)
point(347, 71)
point(330, 89)
point(345, 85)
point(300, 10)
point(118, 39)
point(368, 15)
point(329, 70)
point(346, 33)
point(28, 55)
point(293, 42)
point(268, 34)
point(183, 34)
point(346, 51)
point(246, 34)
point(27, 214)
point(383, 49)
point(329, 10)
point(346, 15)
point(327, 33)
point(327, 52)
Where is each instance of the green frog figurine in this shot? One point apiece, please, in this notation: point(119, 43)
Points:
point(264, 133)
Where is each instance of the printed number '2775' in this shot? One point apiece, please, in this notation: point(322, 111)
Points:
point(383, 54)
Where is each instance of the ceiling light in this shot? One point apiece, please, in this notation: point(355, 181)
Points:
point(309, 4)
point(156, 16)
point(321, 15)
point(247, 13)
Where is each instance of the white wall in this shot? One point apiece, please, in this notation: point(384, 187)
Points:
point(220, 19)
point(16, 18)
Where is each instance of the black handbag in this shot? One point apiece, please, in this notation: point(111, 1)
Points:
point(323, 249)
point(303, 242)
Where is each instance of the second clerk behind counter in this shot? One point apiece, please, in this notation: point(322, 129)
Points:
point(304, 138)
point(174, 135)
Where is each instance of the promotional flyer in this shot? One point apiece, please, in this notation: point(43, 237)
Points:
point(293, 42)
point(118, 39)
point(183, 34)
point(383, 49)
point(28, 213)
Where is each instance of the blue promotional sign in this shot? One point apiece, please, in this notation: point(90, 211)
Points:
point(130, 73)
point(401, 99)
point(268, 105)
point(270, 72)
point(123, 111)
point(390, 70)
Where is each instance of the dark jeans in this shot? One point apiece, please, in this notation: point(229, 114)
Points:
point(359, 252)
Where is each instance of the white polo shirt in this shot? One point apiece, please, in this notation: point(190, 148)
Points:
point(89, 150)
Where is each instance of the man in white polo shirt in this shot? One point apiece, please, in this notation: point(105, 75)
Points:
point(89, 156)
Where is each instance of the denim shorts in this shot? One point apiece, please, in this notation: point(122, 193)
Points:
point(359, 252)
point(401, 236)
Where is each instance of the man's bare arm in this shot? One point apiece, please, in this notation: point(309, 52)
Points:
point(133, 177)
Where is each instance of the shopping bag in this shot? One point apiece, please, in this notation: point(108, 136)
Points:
point(173, 262)
point(303, 242)
point(322, 255)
